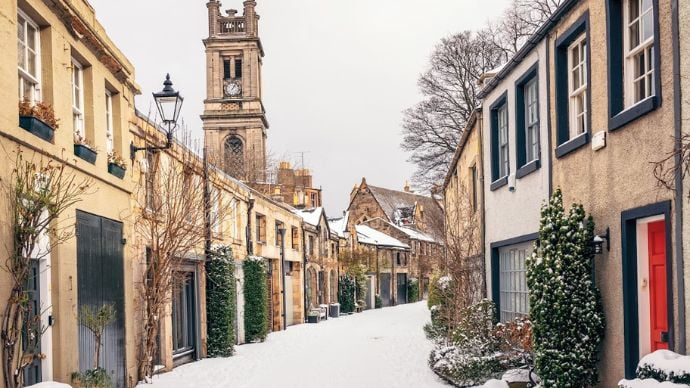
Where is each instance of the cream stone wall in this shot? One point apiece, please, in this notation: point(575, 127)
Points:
point(618, 177)
point(57, 44)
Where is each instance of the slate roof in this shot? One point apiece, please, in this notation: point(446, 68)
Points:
point(370, 236)
point(392, 201)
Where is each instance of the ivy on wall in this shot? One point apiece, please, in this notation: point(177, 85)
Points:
point(255, 299)
point(221, 302)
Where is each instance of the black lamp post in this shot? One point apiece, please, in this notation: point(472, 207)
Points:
point(169, 104)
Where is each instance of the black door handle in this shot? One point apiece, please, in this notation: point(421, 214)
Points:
point(664, 336)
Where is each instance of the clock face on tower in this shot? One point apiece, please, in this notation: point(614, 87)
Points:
point(233, 89)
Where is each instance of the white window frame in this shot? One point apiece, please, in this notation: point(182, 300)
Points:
point(24, 75)
point(109, 129)
point(578, 117)
point(502, 127)
point(514, 296)
point(531, 97)
point(78, 100)
point(632, 54)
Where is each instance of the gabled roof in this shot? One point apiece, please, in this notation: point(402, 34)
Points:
point(312, 216)
point(339, 225)
point(392, 201)
point(370, 236)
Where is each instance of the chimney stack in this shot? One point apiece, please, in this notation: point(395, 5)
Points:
point(213, 17)
point(251, 18)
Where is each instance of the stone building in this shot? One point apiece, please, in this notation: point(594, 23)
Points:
point(415, 219)
point(294, 187)
point(234, 118)
point(57, 53)
point(321, 248)
point(463, 196)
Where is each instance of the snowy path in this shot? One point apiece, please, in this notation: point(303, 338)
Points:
point(377, 348)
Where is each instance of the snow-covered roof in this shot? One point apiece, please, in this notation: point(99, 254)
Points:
point(398, 204)
point(415, 234)
point(370, 236)
point(310, 216)
point(339, 225)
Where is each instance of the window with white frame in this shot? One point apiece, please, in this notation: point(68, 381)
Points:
point(28, 59)
point(577, 86)
point(639, 50)
point(514, 300)
point(109, 131)
point(502, 123)
point(532, 120)
point(78, 100)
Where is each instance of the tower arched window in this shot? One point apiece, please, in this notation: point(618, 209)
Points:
point(234, 156)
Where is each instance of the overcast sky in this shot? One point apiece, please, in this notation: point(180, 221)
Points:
point(336, 77)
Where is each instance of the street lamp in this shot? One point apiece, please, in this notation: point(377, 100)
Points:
point(598, 242)
point(169, 104)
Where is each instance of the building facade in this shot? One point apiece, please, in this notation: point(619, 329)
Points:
point(60, 55)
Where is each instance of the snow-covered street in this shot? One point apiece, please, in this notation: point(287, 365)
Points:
point(377, 348)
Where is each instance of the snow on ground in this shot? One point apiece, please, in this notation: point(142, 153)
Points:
point(377, 348)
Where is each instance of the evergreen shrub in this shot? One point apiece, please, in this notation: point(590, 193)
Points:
point(255, 299)
point(412, 290)
point(221, 302)
point(346, 295)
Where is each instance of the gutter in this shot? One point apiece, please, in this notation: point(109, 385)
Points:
point(678, 160)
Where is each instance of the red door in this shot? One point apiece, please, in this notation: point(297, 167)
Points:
point(657, 285)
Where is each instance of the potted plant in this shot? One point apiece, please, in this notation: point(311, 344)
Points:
point(84, 149)
point(96, 320)
point(39, 119)
point(116, 164)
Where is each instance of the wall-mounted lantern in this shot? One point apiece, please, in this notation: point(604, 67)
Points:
point(598, 242)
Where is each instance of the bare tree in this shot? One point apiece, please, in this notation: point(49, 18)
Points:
point(461, 260)
point(176, 209)
point(432, 128)
point(38, 193)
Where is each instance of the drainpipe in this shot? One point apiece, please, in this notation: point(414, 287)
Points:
point(207, 208)
point(250, 247)
point(677, 118)
point(394, 281)
point(483, 201)
point(304, 274)
point(282, 272)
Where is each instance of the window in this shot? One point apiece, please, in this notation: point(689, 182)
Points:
point(577, 86)
point(109, 133)
point(527, 122)
point(29, 62)
point(311, 245)
point(499, 142)
point(78, 100)
point(514, 301)
point(572, 87)
point(150, 184)
point(234, 157)
point(261, 228)
point(639, 49)
point(634, 79)
point(226, 69)
point(238, 68)
point(295, 238)
point(473, 176)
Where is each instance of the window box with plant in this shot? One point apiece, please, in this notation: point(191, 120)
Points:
point(84, 149)
point(39, 119)
point(116, 165)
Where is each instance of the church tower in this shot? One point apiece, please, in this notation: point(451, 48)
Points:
point(234, 119)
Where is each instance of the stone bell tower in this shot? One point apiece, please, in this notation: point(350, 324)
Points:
point(234, 119)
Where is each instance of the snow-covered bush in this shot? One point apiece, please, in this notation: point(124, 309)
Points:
point(473, 352)
point(255, 299)
point(412, 290)
point(665, 365)
point(565, 305)
point(221, 306)
point(648, 383)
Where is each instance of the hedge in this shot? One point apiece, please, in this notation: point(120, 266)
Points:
point(346, 295)
point(255, 299)
point(221, 302)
